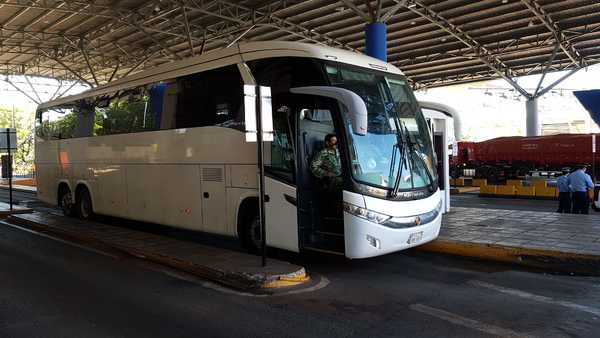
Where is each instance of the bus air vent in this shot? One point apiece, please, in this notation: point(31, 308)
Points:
point(212, 174)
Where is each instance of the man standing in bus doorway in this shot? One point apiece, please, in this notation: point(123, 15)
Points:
point(326, 165)
point(564, 193)
point(327, 168)
point(580, 183)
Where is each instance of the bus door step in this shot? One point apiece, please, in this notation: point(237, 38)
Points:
point(309, 248)
point(327, 241)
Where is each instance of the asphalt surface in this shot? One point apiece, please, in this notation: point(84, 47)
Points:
point(18, 196)
point(472, 200)
point(55, 289)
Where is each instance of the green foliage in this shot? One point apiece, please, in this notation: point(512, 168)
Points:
point(23, 122)
point(123, 117)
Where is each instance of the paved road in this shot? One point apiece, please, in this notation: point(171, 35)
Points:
point(18, 196)
point(474, 201)
point(53, 289)
point(462, 200)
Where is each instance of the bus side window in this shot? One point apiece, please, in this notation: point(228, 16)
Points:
point(84, 123)
point(41, 125)
point(210, 98)
point(136, 110)
point(58, 123)
point(167, 118)
point(282, 150)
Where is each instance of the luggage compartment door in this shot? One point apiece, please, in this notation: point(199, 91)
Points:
point(214, 199)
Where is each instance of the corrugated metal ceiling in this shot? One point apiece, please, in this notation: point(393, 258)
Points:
point(434, 42)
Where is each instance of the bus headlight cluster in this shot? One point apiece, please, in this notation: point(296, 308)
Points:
point(369, 215)
point(393, 222)
point(416, 220)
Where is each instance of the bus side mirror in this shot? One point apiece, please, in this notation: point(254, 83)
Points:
point(354, 103)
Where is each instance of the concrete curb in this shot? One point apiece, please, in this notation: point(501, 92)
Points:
point(20, 189)
point(20, 210)
point(554, 261)
point(256, 282)
point(463, 190)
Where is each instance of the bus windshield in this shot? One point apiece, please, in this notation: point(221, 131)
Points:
point(396, 153)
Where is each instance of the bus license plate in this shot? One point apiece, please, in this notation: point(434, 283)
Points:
point(415, 238)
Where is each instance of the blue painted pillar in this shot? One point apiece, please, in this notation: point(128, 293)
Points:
point(376, 40)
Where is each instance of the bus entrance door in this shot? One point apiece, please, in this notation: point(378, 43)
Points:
point(280, 214)
point(320, 225)
point(280, 185)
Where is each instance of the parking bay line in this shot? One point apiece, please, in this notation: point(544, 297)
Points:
point(467, 322)
point(539, 298)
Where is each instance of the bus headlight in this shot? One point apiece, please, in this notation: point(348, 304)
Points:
point(369, 215)
point(416, 220)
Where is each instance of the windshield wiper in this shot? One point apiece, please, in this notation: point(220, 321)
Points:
point(399, 141)
point(413, 151)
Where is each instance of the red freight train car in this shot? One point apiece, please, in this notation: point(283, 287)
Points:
point(508, 157)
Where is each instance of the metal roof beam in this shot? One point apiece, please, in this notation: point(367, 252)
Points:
point(356, 10)
point(87, 61)
point(77, 74)
point(560, 37)
point(246, 17)
point(21, 90)
point(393, 10)
point(481, 53)
point(561, 79)
point(187, 30)
point(58, 88)
point(39, 99)
point(548, 64)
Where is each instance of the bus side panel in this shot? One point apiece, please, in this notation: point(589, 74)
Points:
point(165, 194)
point(47, 170)
point(109, 193)
point(47, 182)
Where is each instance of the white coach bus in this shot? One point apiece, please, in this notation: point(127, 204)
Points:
point(168, 146)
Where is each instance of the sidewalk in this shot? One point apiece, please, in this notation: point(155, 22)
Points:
point(17, 209)
point(234, 269)
point(22, 188)
point(559, 242)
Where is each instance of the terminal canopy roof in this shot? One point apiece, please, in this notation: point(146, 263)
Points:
point(435, 42)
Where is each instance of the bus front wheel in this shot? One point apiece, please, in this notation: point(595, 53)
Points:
point(252, 238)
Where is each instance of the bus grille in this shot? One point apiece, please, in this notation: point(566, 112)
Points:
point(212, 174)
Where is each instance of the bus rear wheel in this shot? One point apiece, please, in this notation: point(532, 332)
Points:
point(65, 201)
point(83, 203)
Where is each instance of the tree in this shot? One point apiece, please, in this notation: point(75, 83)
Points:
point(22, 121)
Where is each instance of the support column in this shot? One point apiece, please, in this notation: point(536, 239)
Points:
point(376, 40)
point(533, 121)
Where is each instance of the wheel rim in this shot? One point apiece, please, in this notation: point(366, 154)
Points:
point(85, 206)
point(255, 238)
point(66, 202)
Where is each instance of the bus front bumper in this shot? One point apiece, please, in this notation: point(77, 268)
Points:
point(365, 239)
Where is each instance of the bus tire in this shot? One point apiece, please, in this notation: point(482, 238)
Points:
point(83, 204)
point(65, 200)
point(252, 239)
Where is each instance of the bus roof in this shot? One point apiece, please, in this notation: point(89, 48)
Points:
point(245, 51)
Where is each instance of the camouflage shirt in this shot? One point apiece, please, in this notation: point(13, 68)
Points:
point(326, 161)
